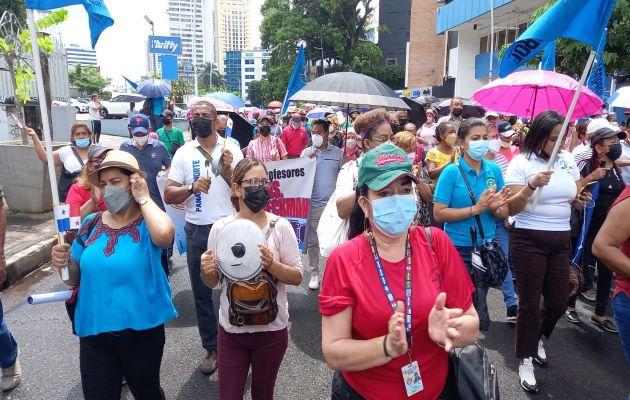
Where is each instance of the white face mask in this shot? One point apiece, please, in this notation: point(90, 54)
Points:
point(141, 140)
point(331, 128)
point(351, 143)
point(505, 145)
point(295, 125)
point(318, 140)
point(412, 157)
point(494, 145)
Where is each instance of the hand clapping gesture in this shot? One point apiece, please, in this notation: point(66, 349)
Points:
point(444, 323)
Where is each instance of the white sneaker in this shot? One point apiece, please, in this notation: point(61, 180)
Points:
point(314, 283)
point(11, 376)
point(526, 375)
point(541, 355)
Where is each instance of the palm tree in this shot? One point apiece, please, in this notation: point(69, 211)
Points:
point(211, 76)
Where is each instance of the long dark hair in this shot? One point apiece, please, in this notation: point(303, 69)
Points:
point(467, 125)
point(358, 221)
point(539, 132)
point(147, 107)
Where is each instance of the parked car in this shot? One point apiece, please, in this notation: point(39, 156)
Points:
point(80, 106)
point(117, 107)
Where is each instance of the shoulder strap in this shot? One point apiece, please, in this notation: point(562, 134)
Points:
point(91, 224)
point(427, 231)
point(205, 153)
point(76, 154)
point(474, 202)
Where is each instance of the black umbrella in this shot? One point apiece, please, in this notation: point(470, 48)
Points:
point(417, 113)
point(469, 111)
point(242, 130)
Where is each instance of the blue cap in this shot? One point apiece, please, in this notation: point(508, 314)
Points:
point(138, 123)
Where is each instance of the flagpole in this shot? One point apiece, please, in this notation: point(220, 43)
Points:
point(43, 102)
point(567, 119)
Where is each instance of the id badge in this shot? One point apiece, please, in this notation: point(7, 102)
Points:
point(412, 378)
point(476, 261)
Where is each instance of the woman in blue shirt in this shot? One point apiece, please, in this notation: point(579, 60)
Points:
point(454, 207)
point(124, 297)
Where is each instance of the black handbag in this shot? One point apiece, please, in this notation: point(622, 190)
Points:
point(471, 376)
point(67, 178)
point(488, 259)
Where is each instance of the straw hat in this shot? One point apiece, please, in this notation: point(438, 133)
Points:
point(116, 159)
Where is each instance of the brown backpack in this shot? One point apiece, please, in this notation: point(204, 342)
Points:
point(253, 302)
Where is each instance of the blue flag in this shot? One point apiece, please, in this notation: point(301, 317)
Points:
point(582, 20)
point(549, 57)
point(130, 82)
point(97, 11)
point(298, 79)
point(597, 78)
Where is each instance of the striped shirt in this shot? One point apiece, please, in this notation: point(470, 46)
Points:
point(502, 162)
point(266, 150)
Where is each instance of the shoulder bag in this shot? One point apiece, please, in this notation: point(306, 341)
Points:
point(67, 178)
point(471, 376)
point(487, 259)
point(174, 146)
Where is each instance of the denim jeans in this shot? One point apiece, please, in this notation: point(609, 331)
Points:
point(507, 287)
point(8, 346)
point(621, 309)
point(481, 288)
point(196, 245)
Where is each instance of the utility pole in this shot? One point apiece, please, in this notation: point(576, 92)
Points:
point(146, 18)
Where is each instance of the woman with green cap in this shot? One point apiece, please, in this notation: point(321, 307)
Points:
point(396, 298)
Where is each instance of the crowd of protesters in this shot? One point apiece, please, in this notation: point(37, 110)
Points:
point(409, 195)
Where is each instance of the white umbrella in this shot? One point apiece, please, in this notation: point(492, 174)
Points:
point(621, 98)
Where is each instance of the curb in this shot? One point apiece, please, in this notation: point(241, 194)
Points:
point(28, 260)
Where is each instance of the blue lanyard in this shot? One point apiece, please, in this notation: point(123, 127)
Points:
point(386, 288)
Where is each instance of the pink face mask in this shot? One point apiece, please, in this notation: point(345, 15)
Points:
point(429, 118)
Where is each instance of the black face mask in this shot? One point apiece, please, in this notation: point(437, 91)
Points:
point(256, 198)
point(264, 130)
point(167, 121)
point(457, 112)
point(202, 127)
point(614, 151)
point(403, 122)
point(395, 128)
point(221, 132)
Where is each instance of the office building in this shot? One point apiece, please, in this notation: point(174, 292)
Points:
point(80, 55)
point(194, 22)
point(466, 26)
point(425, 61)
point(233, 27)
point(393, 39)
point(242, 67)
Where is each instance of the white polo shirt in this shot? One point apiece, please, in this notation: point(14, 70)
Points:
point(188, 166)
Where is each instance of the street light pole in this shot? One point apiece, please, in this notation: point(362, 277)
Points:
point(146, 18)
point(491, 38)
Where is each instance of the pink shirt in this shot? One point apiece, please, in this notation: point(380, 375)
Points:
point(283, 243)
point(264, 150)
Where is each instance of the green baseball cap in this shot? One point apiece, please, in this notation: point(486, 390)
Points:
point(383, 165)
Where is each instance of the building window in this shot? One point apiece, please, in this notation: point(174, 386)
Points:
point(391, 61)
point(250, 77)
point(249, 62)
point(483, 44)
point(249, 69)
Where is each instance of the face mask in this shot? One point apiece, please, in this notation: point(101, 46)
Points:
point(395, 128)
point(295, 125)
point(264, 130)
point(351, 143)
point(451, 139)
point(494, 145)
point(221, 132)
point(141, 140)
point(116, 199)
point(167, 121)
point(256, 198)
point(318, 140)
point(429, 118)
point(506, 145)
point(82, 143)
point(202, 127)
point(411, 157)
point(403, 122)
point(457, 112)
point(478, 149)
point(394, 214)
point(614, 151)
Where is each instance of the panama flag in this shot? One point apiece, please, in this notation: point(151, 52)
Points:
point(75, 216)
point(228, 131)
point(62, 216)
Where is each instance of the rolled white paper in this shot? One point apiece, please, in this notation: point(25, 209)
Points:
point(49, 297)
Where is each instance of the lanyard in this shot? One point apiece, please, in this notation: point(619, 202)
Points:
point(386, 288)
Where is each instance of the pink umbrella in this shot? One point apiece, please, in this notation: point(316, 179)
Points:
point(528, 93)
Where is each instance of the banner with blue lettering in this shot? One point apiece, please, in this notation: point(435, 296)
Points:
point(291, 187)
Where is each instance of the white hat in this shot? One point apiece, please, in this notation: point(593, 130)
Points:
point(492, 114)
point(597, 124)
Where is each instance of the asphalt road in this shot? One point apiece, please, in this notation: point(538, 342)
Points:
point(584, 363)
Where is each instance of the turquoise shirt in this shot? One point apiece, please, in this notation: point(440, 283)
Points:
point(451, 191)
point(123, 285)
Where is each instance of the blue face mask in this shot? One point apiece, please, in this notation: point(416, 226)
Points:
point(477, 149)
point(393, 215)
point(82, 143)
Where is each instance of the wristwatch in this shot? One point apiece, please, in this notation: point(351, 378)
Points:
point(143, 202)
point(190, 188)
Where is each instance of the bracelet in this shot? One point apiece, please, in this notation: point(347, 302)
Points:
point(530, 186)
point(385, 348)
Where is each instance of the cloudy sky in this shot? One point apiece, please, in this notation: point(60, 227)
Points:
point(120, 49)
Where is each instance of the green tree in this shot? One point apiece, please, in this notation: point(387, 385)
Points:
point(211, 77)
point(150, 75)
point(16, 7)
point(256, 94)
point(88, 80)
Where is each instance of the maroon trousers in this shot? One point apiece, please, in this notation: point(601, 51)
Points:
point(263, 351)
point(540, 261)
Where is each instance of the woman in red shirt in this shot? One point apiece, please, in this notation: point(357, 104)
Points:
point(83, 195)
point(383, 347)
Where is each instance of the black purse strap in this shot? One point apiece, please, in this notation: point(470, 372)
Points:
point(474, 202)
point(76, 154)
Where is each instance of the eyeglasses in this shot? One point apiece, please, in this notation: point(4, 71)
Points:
point(255, 182)
point(380, 140)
